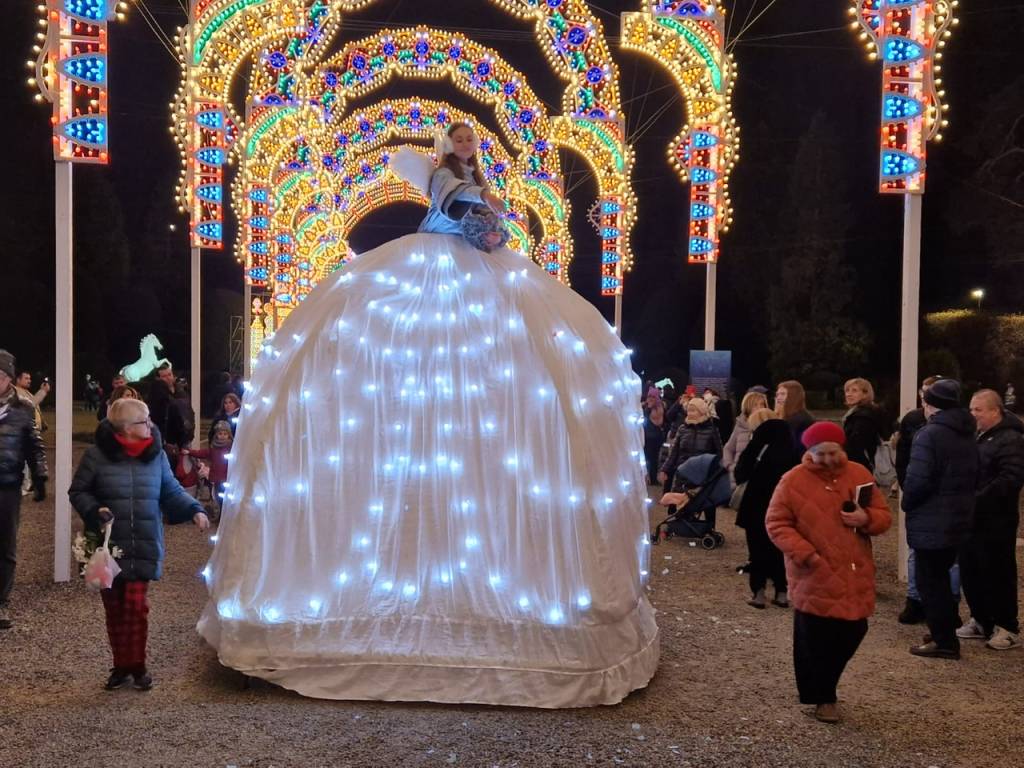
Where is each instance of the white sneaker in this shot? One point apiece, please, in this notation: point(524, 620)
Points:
point(1003, 640)
point(972, 630)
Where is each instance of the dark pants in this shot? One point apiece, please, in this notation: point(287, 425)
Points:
point(821, 649)
point(10, 507)
point(988, 568)
point(127, 613)
point(932, 573)
point(766, 560)
point(652, 449)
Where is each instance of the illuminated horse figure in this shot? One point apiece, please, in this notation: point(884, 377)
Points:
point(148, 360)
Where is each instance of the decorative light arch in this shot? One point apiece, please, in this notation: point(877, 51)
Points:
point(687, 37)
point(275, 35)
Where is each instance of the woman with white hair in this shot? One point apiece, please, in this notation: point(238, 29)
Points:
point(125, 480)
point(698, 435)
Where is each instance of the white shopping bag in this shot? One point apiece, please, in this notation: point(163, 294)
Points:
point(102, 568)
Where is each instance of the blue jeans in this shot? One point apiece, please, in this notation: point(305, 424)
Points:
point(913, 594)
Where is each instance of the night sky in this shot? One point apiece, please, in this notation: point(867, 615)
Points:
point(797, 60)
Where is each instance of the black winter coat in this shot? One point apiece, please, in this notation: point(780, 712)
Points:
point(135, 490)
point(768, 456)
point(938, 495)
point(20, 442)
point(865, 426)
point(798, 423)
point(1000, 475)
point(692, 440)
point(909, 426)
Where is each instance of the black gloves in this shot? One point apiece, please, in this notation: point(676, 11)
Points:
point(39, 486)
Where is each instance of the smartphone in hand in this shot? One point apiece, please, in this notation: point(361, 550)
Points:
point(863, 494)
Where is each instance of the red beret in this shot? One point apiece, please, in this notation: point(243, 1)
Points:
point(823, 432)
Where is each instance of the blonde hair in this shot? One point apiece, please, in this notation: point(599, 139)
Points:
point(760, 416)
point(796, 399)
point(699, 405)
point(124, 411)
point(864, 386)
point(751, 402)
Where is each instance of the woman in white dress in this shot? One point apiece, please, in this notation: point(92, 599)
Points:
point(437, 488)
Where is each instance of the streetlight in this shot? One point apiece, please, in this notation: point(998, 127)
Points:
point(978, 294)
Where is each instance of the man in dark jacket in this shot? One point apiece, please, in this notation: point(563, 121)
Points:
point(20, 443)
point(913, 611)
point(938, 499)
point(988, 561)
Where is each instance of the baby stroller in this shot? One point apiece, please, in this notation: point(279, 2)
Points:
point(704, 485)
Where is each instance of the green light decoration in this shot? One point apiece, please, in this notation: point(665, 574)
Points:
point(698, 46)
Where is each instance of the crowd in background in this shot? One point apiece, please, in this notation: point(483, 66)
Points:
point(810, 494)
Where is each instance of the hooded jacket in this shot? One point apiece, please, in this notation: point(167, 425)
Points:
point(938, 493)
point(135, 490)
point(803, 520)
point(1000, 474)
point(20, 441)
point(692, 440)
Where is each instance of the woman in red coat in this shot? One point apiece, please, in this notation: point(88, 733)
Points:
point(825, 537)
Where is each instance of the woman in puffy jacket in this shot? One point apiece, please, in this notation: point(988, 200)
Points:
point(698, 435)
point(825, 538)
point(126, 480)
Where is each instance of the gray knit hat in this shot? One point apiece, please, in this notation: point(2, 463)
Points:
point(944, 393)
point(7, 363)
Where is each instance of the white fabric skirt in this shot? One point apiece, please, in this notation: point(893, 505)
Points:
point(437, 492)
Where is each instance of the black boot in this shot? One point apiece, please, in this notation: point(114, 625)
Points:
point(912, 613)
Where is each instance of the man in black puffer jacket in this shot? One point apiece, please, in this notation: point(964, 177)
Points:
point(988, 559)
point(20, 443)
point(938, 498)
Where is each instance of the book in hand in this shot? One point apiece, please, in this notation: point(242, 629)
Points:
point(863, 494)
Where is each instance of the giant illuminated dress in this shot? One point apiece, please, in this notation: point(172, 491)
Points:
point(437, 491)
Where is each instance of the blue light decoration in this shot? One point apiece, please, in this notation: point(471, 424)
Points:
point(906, 34)
point(900, 49)
point(259, 194)
point(259, 274)
point(700, 211)
point(700, 246)
point(76, 77)
point(702, 175)
point(89, 131)
point(211, 193)
point(86, 68)
point(208, 143)
point(899, 165)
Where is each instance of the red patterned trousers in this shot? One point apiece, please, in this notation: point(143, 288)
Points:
point(127, 623)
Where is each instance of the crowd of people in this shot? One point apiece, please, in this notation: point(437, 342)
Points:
point(810, 494)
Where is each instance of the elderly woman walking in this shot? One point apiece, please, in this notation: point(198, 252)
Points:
point(698, 435)
point(125, 480)
point(825, 536)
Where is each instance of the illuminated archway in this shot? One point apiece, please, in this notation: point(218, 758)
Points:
point(687, 37)
point(275, 34)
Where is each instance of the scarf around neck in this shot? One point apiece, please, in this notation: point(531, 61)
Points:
point(133, 448)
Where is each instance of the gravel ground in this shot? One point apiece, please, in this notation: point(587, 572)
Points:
point(723, 696)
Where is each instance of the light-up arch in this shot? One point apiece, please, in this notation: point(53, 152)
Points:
point(275, 34)
point(687, 37)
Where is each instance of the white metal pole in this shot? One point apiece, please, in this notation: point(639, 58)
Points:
point(63, 373)
point(196, 337)
point(247, 332)
point(618, 313)
point(910, 316)
point(709, 307)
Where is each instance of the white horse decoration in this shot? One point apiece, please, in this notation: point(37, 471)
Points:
point(148, 360)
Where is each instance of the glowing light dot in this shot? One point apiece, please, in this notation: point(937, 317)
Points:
point(555, 615)
point(409, 590)
point(387, 586)
point(583, 601)
point(524, 603)
point(342, 577)
point(315, 606)
point(472, 542)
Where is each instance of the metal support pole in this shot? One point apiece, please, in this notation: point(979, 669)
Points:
point(196, 337)
point(910, 309)
point(63, 373)
point(709, 307)
point(618, 313)
point(247, 332)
